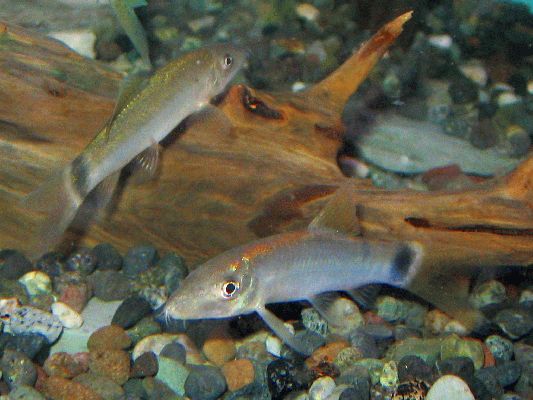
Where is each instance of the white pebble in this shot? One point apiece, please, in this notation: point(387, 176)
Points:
point(298, 86)
point(526, 296)
point(450, 387)
point(440, 41)
point(455, 326)
point(530, 87)
point(81, 41)
point(476, 72)
point(36, 282)
point(322, 388)
point(273, 345)
point(68, 317)
point(508, 98)
point(308, 12)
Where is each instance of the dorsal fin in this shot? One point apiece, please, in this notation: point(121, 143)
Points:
point(339, 214)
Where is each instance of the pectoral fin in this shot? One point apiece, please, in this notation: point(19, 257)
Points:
point(339, 214)
point(365, 296)
point(282, 331)
point(322, 303)
point(144, 167)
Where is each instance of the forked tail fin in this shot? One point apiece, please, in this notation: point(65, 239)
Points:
point(59, 199)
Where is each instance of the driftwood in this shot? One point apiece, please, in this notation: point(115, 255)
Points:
point(215, 190)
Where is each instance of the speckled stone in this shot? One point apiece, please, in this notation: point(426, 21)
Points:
point(63, 365)
point(110, 285)
point(82, 260)
point(219, 350)
point(489, 379)
point(500, 347)
point(139, 259)
point(515, 323)
point(176, 270)
point(145, 365)
point(314, 322)
point(321, 388)
point(488, 293)
point(58, 388)
point(101, 385)
point(389, 375)
point(114, 364)
point(31, 320)
point(238, 373)
point(110, 337)
point(107, 257)
point(131, 311)
point(282, 378)
point(205, 383)
point(17, 369)
point(13, 264)
point(449, 387)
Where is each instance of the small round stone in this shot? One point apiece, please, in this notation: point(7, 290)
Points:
point(101, 385)
point(69, 318)
point(515, 323)
point(36, 283)
point(107, 257)
point(219, 350)
point(29, 344)
point(321, 388)
point(138, 259)
point(352, 394)
point(389, 375)
point(391, 309)
point(365, 343)
point(110, 285)
point(114, 364)
point(145, 365)
point(488, 293)
point(81, 260)
point(25, 392)
point(17, 369)
point(145, 327)
point(274, 345)
point(13, 264)
point(314, 322)
point(131, 311)
point(205, 383)
point(359, 378)
point(75, 295)
point(487, 377)
point(51, 264)
point(508, 373)
point(345, 310)
point(175, 351)
point(173, 374)
point(238, 373)
point(414, 368)
point(282, 378)
point(454, 346)
point(450, 387)
point(460, 366)
point(176, 270)
point(63, 365)
point(500, 347)
point(110, 337)
point(346, 357)
point(325, 354)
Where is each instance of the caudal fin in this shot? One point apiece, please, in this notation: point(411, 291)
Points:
point(58, 200)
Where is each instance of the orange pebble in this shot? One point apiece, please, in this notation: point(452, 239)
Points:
point(238, 373)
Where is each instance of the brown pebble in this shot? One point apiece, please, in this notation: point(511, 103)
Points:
point(219, 350)
point(145, 365)
point(110, 337)
point(115, 364)
point(238, 373)
point(58, 388)
point(75, 296)
point(325, 354)
point(63, 365)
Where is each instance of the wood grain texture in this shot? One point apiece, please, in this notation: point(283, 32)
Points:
point(271, 172)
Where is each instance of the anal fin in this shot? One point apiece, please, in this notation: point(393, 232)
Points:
point(144, 167)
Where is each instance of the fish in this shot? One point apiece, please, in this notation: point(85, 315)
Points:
point(327, 257)
point(146, 112)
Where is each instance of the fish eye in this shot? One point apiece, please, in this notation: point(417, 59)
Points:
point(229, 289)
point(228, 60)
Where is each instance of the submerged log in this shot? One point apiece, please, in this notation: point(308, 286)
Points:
point(271, 172)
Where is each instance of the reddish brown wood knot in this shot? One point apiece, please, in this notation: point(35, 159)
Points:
point(258, 107)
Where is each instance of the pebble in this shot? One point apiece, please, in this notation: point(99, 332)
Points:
point(488, 293)
point(476, 72)
point(321, 388)
point(107, 257)
point(436, 321)
point(411, 390)
point(145, 327)
point(526, 297)
point(174, 350)
point(109, 337)
point(359, 378)
point(25, 392)
point(454, 346)
point(75, 295)
point(380, 332)
point(460, 366)
point(36, 283)
point(389, 375)
point(282, 378)
point(101, 385)
point(64, 365)
point(450, 387)
point(66, 315)
point(114, 364)
point(325, 354)
point(373, 366)
point(308, 12)
point(27, 320)
point(172, 373)
point(346, 357)
point(58, 388)
point(391, 309)
point(51, 264)
point(13, 264)
point(414, 368)
point(238, 373)
point(427, 349)
point(82, 260)
point(352, 394)
point(345, 310)
point(365, 343)
point(314, 322)
point(17, 369)
point(416, 315)
point(205, 383)
point(487, 376)
point(131, 311)
point(30, 344)
point(176, 270)
point(219, 350)
point(273, 345)
point(145, 365)
point(500, 347)
point(508, 373)
point(515, 323)
point(156, 343)
point(110, 285)
point(80, 40)
point(138, 259)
